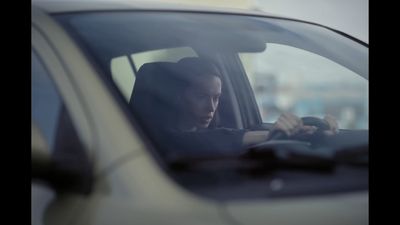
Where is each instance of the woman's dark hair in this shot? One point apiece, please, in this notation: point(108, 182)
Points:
point(189, 69)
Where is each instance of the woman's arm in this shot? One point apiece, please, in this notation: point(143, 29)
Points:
point(292, 126)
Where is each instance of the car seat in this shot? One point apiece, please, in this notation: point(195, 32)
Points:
point(153, 95)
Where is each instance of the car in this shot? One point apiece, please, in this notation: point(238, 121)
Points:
point(103, 80)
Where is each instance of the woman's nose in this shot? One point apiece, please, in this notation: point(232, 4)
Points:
point(211, 105)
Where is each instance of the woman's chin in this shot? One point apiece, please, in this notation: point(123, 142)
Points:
point(203, 124)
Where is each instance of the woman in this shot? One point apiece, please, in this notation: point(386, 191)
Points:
point(198, 90)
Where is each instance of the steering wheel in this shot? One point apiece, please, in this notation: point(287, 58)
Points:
point(315, 121)
point(282, 145)
point(309, 121)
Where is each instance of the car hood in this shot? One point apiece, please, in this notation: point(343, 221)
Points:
point(333, 209)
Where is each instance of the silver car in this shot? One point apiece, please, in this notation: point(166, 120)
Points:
point(104, 88)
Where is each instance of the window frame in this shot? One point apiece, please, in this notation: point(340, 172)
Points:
point(75, 119)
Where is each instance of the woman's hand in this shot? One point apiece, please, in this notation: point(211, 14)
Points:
point(290, 125)
point(293, 127)
point(333, 125)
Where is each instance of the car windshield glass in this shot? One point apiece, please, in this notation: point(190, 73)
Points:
point(206, 86)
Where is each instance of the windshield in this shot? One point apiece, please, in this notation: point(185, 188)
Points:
point(216, 87)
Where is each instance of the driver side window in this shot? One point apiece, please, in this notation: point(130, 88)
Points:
point(288, 79)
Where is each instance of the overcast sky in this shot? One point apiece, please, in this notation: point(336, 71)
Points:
point(349, 16)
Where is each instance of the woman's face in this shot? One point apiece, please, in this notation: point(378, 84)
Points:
point(201, 100)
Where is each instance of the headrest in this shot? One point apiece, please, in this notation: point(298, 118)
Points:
point(154, 92)
point(151, 77)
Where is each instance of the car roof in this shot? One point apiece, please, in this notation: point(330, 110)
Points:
point(74, 6)
point(123, 5)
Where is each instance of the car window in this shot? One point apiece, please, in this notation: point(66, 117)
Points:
point(123, 75)
point(50, 114)
point(289, 79)
point(45, 110)
point(46, 102)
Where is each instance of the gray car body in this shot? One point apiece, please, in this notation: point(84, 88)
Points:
point(130, 187)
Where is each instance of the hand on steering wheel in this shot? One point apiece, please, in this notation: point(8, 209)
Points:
point(291, 126)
